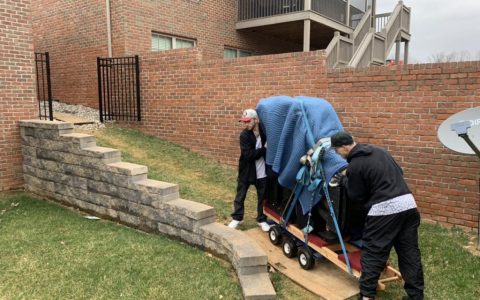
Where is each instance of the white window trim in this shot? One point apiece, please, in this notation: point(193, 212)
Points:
point(174, 40)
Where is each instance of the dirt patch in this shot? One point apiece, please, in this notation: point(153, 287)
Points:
point(472, 246)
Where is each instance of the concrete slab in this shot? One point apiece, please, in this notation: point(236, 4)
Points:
point(325, 279)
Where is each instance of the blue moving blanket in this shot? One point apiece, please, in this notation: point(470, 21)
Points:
point(288, 138)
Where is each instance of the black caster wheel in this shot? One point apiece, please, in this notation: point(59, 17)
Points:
point(275, 235)
point(289, 248)
point(305, 258)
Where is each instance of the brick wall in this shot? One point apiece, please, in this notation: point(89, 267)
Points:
point(75, 33)
point(17, 94)
point(401, 109)
point(210, 22)
point(196, 103)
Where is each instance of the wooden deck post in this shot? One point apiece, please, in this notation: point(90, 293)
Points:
point(306, 35)
point(397, 50)
point(347, 21)
point(405, 53)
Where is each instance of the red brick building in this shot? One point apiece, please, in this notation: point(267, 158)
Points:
point(76, 32)
point(17, 87)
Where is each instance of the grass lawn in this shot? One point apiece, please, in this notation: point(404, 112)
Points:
point(50, 252)
point(58, 254)
point(451, 272)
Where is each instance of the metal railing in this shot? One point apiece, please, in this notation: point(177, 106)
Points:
point(332, 9)
point(119, 88)
point(253, 9)
point(44, 86)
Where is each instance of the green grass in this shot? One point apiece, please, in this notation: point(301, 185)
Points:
point(451, 272)
point(50, 252)
point(58, 254)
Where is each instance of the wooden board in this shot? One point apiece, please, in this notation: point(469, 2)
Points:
point(325, 279)
point(69, 118)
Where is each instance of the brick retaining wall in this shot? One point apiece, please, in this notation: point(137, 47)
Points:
point(69, 168)
point(401, 109)
point(196, 103)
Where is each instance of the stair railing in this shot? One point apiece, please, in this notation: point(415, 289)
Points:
point(339, 51)
point(398, 21)
point(362, 29)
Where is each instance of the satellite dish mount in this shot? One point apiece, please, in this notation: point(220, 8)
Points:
point(463, 125)
point(461, 128)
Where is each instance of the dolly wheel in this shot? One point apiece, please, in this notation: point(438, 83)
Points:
point(305, 258)
point(289, 248)
point(275, 235)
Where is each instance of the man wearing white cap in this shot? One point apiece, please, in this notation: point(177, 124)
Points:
point(251, 169)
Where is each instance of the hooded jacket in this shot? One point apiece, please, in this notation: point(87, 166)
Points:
point(247, 172)
point(373, 176)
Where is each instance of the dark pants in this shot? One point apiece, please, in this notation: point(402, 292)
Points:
point(238, 204)
point(380, 234)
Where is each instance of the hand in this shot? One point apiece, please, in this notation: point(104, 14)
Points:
point(338, 179)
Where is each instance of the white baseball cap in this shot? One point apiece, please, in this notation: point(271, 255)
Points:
point(248, 114)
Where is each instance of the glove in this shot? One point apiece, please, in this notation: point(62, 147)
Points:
point(338, 179)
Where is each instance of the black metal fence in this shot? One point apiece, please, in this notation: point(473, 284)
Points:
point(119, 88)
point(44, 86)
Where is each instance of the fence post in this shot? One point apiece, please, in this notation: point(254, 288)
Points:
point(49, 87)
point(100, 102)
point(137, 71)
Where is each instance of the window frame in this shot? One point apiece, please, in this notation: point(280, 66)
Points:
point(237, 52)
point(173, 39)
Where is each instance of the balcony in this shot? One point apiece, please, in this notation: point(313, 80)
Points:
point(286, 18)
point(335, 10)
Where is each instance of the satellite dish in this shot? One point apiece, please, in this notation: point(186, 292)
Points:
point(467, 121)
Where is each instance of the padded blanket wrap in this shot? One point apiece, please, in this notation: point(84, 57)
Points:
point(292, 126)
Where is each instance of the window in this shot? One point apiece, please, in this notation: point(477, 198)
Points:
point(161, 42)
point(234, 53)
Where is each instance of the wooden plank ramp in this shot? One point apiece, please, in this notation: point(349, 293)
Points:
point(325, 279)
point(69, 118)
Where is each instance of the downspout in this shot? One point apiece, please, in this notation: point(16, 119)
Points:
point(109, 28)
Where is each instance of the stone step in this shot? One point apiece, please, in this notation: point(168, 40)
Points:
point(126, 168)
point(257, 286)
point(81, 139)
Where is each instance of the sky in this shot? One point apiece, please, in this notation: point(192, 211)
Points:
point(440, 26)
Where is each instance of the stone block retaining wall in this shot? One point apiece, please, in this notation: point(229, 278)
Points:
point(69, 168)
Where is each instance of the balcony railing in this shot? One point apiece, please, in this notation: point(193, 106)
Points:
point(381, 21)
point(332, 9)
point(253, 9)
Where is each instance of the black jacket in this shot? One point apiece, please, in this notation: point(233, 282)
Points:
point(373, 176)
point(247, 172)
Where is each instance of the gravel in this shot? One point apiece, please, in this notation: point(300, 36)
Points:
point(83, 112)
